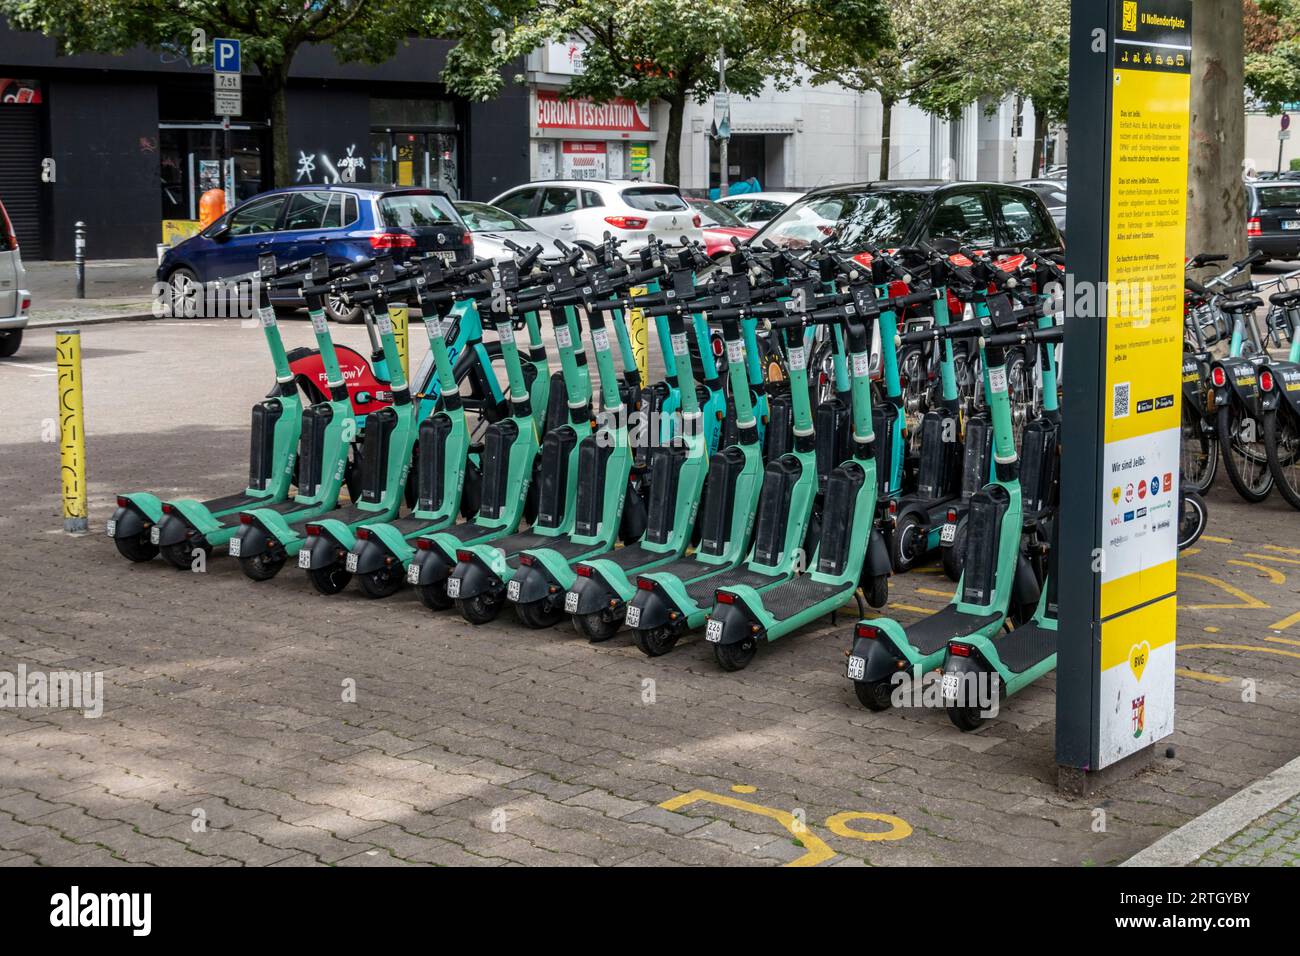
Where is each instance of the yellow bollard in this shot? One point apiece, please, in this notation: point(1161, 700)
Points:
point(637, 329)
point(401, 317)
point(72, 430)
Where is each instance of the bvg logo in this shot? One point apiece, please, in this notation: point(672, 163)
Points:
point(1130, 15)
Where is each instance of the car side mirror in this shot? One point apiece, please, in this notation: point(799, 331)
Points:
point(221, 233)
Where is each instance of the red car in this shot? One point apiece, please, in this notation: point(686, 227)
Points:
point(722, 229)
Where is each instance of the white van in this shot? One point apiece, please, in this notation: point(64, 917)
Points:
point(15, 300)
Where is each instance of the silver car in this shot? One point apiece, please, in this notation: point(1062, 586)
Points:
point(492, 228)
point(15, 300)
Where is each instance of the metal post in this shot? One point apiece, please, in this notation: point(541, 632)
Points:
point(72, 435)
point(723, 140)
point(79, 256)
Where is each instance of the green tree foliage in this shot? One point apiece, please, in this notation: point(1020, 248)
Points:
point(272, 33)
point(1273, 52)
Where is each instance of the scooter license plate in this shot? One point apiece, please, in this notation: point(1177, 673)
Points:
point(304, 558)
point(857, 667)
point(633, 617)
point(453, 587)
point(110, 528)
point(413, 574)
point(351, 562)
point(713, 632)
point(155, 534)
point(951, 686)
point(512, 590)
point(570, 602)
point(235, 545)
point(948, 533)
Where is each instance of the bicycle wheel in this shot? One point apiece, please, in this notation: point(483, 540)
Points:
point(1244, 455)
point(1191, 519)
point(1282, 443)
point(1021, 392)
point(1198, 459)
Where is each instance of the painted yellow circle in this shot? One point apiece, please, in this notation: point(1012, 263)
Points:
point(839, 824)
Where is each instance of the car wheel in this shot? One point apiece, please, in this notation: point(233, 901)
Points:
point(337, 310)
point(186, 293)
point(9, 342)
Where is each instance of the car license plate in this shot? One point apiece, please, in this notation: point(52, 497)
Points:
point(633, 617)
point(948, 533)
point(304, 558)
point(155, 534)
point(570, 602)
point(512, 590)
point(110, 528)
point(1291, 224)
point(857, 667)
point(413, 574)
point(951, 685)
point(713, 631)
point(453, 587)
point(235, 545)
point(351, 562)
point(447, 257)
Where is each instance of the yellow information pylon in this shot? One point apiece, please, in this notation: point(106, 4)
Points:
point(72, 430)
point(638, 331)
point(401, 322)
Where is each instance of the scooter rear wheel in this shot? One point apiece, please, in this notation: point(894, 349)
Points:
point(954, 554)
point(655, 641)
point(382, 583)
point(181, 556)
point(905, 544)
point(873, 695)
point(137, 549)
point(434, 597)
point(965, 719)
point(261, 567)
point(594, 627)
point(735, 657)
point(330, 579)
point(877, 590)
point(480, 609)
point(539, 614)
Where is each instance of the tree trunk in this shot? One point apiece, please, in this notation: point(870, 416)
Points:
point(886, 125)
point(1040, 142)
point(1216, 198)
point(276, 78)
point(673, 139)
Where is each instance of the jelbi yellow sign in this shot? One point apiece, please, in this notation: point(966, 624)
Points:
point(1151, 71)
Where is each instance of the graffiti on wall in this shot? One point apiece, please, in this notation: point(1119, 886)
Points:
point(319, 167)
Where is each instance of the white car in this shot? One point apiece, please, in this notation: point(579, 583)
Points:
point(756, 210)
point(582, 211)
point(15, 301)
point(492, 228)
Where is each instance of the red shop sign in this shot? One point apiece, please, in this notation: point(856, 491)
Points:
point(616, 116)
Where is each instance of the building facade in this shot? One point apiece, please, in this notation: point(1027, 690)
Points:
point(128, 144)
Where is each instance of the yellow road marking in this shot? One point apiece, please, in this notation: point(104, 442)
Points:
point(912, 607)
point(1188, 552)
point(1248, 602)
point(946, 595)
point(1212, 630)
point(1273, 574)
point(1286, 622)
point(1201, 675)
point(1278, 547)
point(744, 788)
point(839, 825)
point(818, 851)
point(1209, 537)
point(1238, 647)
point(1283, 640)
point(1272, 557)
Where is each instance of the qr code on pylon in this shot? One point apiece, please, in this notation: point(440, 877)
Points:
point(1119, 403)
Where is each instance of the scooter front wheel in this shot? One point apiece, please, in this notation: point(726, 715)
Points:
point(954, 554)
point(906, 544)
point(539, 614)
point(181, 556)
point(965, 719)
point(873, 695)
point(480, 609)
point(434, 597)
point(655, 641)
point(330, 579)
point(735, 657)
point(261, 567)
point(594, 627)
point(382, 583)
point(877, 590)
point(137, 549)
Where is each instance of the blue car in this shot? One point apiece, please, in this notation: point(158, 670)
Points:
point(344, 221)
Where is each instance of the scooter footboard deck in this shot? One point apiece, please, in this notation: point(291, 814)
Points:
point(231, 502)
point(701, 592)
point(469, 531)
point(633, 556)
point(409, 525)
point(930, 634)
point(1026, 646)
point(567, 548)
point(794, 597)
point(688, 569)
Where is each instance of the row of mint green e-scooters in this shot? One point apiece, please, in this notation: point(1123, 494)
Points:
point(718, 497)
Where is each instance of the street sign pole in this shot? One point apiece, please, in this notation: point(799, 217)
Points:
point(228, 101)
point(723, 101)
point(1130, 84)
point(1283, 134)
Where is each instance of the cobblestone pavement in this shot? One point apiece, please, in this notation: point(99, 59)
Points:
point(113, 287)
point(1272, 840)
point(228, 735)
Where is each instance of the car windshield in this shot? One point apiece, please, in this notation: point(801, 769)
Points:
point(715, 215)
point(849, 221)
point(413, 210)
point(651, 199)
point(1272, 197)
point(480, 217)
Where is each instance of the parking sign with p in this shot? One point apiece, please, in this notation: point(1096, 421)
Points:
point(225, 55)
